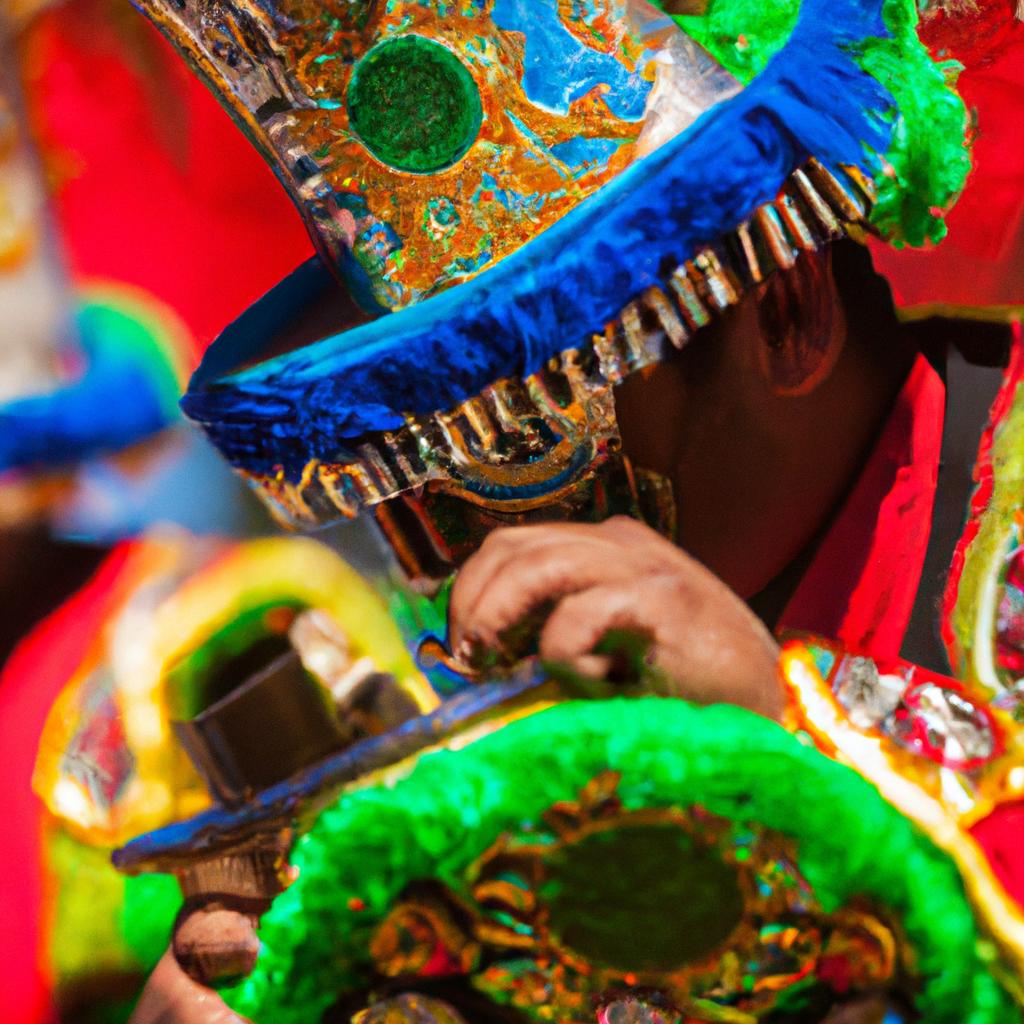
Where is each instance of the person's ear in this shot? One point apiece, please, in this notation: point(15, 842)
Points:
point(802, 328)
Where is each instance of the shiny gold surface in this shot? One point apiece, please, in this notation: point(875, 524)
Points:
point(284, 70)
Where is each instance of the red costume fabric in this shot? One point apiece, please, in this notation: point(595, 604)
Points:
point(860, 587)
point(154, 186)
point(29, 684)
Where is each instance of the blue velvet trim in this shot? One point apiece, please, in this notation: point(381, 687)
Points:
point(123, 396)
point(552, 294)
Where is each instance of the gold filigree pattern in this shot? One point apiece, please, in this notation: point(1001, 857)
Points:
point(552, 920)
point(285, 71)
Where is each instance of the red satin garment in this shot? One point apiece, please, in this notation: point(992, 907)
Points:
point(860, 587)
point(154, 184)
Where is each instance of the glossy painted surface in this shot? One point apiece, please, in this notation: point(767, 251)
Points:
point(416, 166)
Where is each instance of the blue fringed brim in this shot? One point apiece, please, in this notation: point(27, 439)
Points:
point(563, 286)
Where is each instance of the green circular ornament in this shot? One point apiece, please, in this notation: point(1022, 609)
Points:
point(356, 861)
point(600, 886)
point(414, 105)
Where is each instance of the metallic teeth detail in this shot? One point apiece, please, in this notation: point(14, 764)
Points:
point(690, 304)
point(612, 352)
point(646, 345)
point(809, 212)
point(374, 459)
point(340, 489)
point(799, 229)
point(714, 281)
point(863, 184)
point(404, 446)
point(419, 446)
point(852, 208)
point(582, 385)
point(363, 482)
point(520, 398)
point(633, 330)
point(659, 304)
point(544, 390)
point(348, 486)
point(752, 265)
point(773, 237)
point(820, 209)
point(553, 382)
point(814, 208)
point(478, 417)
point(450, 437)
point(501, 403)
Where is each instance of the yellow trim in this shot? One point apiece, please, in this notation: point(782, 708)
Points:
point(141, 645)
point(1008, 314)
point(814, 708)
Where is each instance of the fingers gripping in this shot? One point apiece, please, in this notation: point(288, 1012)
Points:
point(503, 584)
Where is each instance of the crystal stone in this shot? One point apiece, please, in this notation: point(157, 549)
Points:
point(943, 724)
point(631, 1010)
point(868, 696)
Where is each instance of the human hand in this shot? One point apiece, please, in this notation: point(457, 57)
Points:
point(571, 584)
point(172, 997)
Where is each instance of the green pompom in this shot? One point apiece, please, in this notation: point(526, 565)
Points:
point(928, 159)
point(453, 805)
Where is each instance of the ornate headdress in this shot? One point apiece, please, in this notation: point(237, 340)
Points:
point(586, 187)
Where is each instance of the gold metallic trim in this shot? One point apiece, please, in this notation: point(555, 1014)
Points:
point(815, 709)
point(528, 433)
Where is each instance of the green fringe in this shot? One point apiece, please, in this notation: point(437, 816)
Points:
point(928, 159)
point(454, 804)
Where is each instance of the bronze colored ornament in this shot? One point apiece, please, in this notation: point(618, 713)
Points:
point(427, 934)
point(638, 915)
